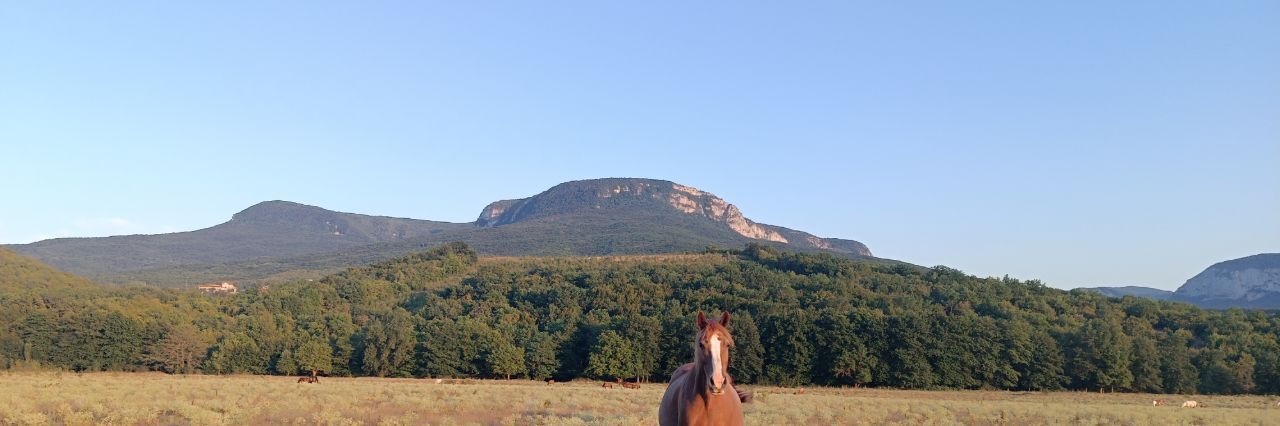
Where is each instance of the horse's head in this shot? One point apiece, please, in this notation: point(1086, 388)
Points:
point(711, 353)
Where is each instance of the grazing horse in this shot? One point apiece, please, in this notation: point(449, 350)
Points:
point(1158, 403)
point(701, 392)
point(1191, 404)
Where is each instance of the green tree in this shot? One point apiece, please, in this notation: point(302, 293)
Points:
point(613, 357)
point(1216, 376)
point(1146, 365)
point(1179, 375)
point(39, 335)
point(1102, 355)
point(789, 351)
point(449, 348)
point(505, 359)
point(181, 350)
point(237, 354)
point(1043, 370)
point(388, 344)
point(1242, 371)
point(909, 356)
point(313, 355)
point(746, 363)
point(540, 356)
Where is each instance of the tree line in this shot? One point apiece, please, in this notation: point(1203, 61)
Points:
point(798, 319)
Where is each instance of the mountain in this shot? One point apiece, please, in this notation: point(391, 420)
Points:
point(268, 229)
point(1247, 282)
point(21, 275)
point(279, 239)
point(1139, 291)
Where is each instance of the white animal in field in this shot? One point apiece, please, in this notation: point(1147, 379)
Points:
point(1190, 404)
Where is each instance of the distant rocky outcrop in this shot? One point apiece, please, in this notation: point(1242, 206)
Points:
point(1247, 282)
point(618, 195)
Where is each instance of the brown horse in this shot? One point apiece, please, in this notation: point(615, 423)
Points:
point(701, 392)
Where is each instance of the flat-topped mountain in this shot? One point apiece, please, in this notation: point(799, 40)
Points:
point(656, 201)
point(614, 216)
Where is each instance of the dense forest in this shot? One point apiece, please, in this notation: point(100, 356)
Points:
point(797, 319)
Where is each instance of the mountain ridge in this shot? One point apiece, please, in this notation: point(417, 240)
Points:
point(586, 217)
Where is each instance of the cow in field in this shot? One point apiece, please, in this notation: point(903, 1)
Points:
point(1191, 404)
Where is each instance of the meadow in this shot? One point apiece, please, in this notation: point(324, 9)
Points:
point(34, 398)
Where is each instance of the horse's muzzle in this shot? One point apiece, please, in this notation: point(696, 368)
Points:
point(714, 389)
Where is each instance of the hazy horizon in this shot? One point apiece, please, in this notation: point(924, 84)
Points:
point(1084, 144)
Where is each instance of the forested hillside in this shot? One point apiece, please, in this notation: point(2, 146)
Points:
point(797, 319)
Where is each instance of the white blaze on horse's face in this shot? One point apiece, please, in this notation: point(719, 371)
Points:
point(717, 366)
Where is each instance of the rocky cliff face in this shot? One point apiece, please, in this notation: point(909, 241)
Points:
point(652, 195)
point(1252, 281)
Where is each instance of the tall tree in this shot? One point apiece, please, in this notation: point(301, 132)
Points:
point(181, 350)
point(1176, 369)
point(237, 354)
point(540, 356)
point(746, 363)
point(314, 355)
point(613, 357)
point(388, 344)
point(1043, 371)
point(505, 359)
point(1102, 355)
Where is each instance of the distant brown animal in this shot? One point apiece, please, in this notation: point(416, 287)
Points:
point(1192, 404)
point(606, 385)
point(308, 379)
point(697, 391)
point(1158, 403)
point(631, 385)
point(551, 382)
point(800, 391)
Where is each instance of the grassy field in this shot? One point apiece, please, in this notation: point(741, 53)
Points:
point(143, 398)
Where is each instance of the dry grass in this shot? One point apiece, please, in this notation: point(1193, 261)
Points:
point(157, 399)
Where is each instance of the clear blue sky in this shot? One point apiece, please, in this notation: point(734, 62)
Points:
point(1081, 143)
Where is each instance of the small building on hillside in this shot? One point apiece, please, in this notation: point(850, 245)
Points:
point(222, 287)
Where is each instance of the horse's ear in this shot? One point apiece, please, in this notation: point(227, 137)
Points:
point(724, 319)
point(702, 321)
